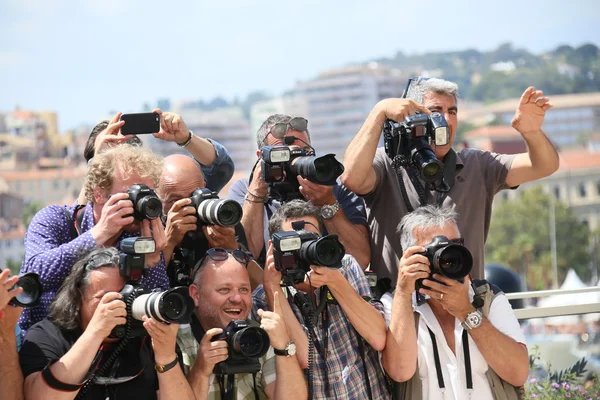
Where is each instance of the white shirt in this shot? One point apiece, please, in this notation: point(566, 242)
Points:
point(501, 316)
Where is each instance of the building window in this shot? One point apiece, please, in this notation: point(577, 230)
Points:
point(582, 190)
point(557, 192)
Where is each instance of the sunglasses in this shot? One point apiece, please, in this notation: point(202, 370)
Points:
point(221, 254)
point(279, 130)
point(414, 81)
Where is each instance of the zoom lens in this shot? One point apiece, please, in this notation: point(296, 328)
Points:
point(174, 305)
point(323, 170)
point(326, 251)
point(223, 212)
point(453, 261)
point(150, 207)
point(252, 342)
point(32, 290)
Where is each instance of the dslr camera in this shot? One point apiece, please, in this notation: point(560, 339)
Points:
point(32, 290)
point(296, 251)
point(447, 258)
point(246, 345)
point(146, 204)
point(411, 140)
point(169, 306)
point(210, 210)
point(281, 164)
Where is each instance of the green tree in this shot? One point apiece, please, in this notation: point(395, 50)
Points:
point(29, 210)
point(13, 265)
point(520, 237)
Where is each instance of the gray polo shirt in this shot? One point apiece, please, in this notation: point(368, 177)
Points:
point(479, 176)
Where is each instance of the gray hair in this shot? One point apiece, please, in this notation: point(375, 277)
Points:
point(263, 131)
point(65, 310)
point(422, 86)
point(422, 218)
point(295, 209)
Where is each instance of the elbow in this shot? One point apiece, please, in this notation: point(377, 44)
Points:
point(346, 180)
point(378, 341)
point(398, 371)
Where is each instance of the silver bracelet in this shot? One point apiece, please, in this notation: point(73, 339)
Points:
point(187, 141)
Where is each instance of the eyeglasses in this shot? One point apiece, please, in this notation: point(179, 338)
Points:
point(221, 254)
point(279, 130)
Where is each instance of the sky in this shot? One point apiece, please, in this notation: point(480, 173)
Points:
point(83, 58)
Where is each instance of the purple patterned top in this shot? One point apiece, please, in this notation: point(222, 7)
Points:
point(50, 252)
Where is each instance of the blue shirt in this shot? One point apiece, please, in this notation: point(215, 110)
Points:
point(51, 253)
point(220, 171)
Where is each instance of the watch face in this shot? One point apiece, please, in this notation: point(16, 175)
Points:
point(326, 212)
point(474, 319)
point(291, 349)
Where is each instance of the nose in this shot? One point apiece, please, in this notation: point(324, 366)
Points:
point(235, 297)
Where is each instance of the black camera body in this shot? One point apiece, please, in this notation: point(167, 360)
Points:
point(282, 164)
point(247, 342)
point(411, 140)
point(146, 204)
point(296, 251)
point(170, 306)
point(448, 259)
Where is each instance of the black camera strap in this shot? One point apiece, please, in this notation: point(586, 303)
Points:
point(467, 356)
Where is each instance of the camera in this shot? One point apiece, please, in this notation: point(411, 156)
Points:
point(170, 306)
point(210, 210)
point(281, 164)
point(146, 204)
point(246, 345)
point(296, 251)
point(32, 290)
point(411, 140)
point(448, 259)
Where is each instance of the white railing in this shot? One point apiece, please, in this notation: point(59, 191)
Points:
point(542, 312)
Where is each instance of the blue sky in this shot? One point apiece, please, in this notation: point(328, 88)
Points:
point(83, 58)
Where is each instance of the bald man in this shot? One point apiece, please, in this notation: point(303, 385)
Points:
point(181, 176)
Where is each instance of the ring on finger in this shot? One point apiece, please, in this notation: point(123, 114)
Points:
point(441, 296)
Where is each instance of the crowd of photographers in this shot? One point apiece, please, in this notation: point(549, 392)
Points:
point(313, 280)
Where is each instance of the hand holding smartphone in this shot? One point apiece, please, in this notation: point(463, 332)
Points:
point(140, 123)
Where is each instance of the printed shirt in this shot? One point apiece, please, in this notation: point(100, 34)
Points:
point(51, 252)
point(344, 366)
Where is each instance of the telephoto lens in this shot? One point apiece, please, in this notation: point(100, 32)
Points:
point(326, 251)
point(423, 158)
point(453, 261)
point(32, 290)
point(323, 170)
point(214, 211)
point(173, 305)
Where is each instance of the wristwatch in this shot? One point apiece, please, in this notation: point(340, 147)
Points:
point(289, 351)
point(164, 368)
point(329, 210)
point(473, 320)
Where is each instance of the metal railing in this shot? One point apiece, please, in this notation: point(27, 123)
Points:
point(555, 311)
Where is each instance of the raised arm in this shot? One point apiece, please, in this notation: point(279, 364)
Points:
point(11, 377)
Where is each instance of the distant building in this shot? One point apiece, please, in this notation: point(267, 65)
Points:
point(339, 100)
point(12, 246)
point(497, 139)
point(292, 104)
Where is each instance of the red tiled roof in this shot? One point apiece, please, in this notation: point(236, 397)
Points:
point(579, 159)
point(34, 174)
point(492, 132)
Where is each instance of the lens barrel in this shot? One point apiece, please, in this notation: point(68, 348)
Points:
point(32, 290)
point(174, 305)
point(223, 212)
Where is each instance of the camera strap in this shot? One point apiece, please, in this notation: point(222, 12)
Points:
point(467, 356)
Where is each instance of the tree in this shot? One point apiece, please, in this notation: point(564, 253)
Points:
point(29, 210)
point(13, 265)
point(520, 237)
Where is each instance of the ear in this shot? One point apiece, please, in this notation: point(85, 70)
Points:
point(100, 196)
point(257, 153)
point(195, 294)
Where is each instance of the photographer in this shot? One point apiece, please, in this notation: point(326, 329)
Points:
point(472, 176)
point(350, 329)
point(11, 378)
point(64, 354)
point(58, 235)
point(221, 292)
point(212, 157)
point(181, 176)
point(455, 341)
point(343, 211)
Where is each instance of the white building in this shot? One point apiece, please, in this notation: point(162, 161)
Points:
point(292, 104)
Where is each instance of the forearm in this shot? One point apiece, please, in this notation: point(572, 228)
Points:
point(173, 386)
point(290, 382)
point(156, 277)
point(11, 377)
point(401, 343)
point(367, 321)
point(507, 357)
point(295, 330)
point(202, 150)
point(540, 160)
point(355, 238)
point(253, 223)
point(199, 383)
point(359, 175)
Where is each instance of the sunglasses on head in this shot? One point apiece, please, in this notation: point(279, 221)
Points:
point(221, 254)
point(279, 130)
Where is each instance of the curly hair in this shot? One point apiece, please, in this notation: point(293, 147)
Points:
point(131, 159)
point(65, 310)
point(293, 210)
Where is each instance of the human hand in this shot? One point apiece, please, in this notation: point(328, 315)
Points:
point(154, 229)
point(452, 295)
point(172, 127)
point(116, 213)
point(211, 353)
point(531, 111)
point(271, 277)
point(258, 186)
point(273, 323)
point(398, 109)
point(164, 339)
point(220, 236)
point(111, 311)
point(413, 266)
point(319, 195)
point(321, 276)
point(111, 135)
point(181, 219)
point(6, 283)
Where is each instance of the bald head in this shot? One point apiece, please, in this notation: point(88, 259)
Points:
point(180, 177)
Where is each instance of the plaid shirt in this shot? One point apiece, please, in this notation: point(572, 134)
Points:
point(344, 366)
